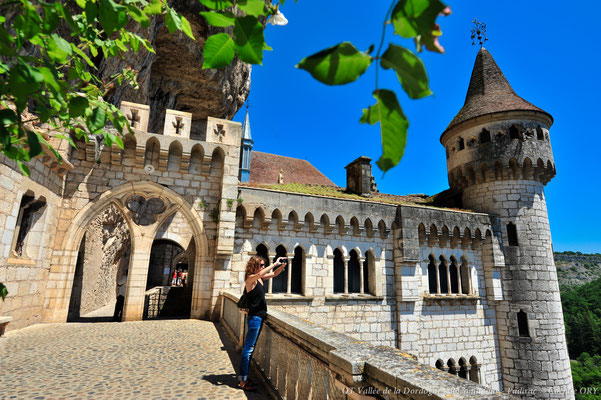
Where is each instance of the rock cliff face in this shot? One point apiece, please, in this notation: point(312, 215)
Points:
point(173, 77)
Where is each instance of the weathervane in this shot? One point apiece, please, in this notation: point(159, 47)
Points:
point(479, 31)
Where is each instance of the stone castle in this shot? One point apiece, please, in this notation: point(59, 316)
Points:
point(466, 284)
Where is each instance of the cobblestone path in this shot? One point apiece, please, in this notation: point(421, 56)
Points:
point(184, 359)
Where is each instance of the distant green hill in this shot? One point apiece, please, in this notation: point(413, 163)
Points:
point(576, 268)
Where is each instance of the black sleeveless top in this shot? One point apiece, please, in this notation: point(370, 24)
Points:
point(256, 300)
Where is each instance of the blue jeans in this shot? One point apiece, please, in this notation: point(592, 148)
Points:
point(254, 327)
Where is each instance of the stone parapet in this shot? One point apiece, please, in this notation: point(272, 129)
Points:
point(320, 363)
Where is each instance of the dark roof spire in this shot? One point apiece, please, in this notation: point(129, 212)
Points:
point(489, 92)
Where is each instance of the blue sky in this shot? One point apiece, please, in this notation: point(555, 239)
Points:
point(548, 50)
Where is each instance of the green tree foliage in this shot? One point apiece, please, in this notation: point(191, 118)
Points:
point(586, 374)
point(582, 315)
point(48, 76)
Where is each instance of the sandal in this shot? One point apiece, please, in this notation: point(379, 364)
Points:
point(247, 387)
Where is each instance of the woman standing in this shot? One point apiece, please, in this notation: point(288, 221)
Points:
point(256, 273)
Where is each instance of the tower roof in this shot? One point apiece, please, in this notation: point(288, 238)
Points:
point(246, 128)
point(489, 92)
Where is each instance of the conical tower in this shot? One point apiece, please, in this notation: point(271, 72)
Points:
point(246, 148)
point(499, 157)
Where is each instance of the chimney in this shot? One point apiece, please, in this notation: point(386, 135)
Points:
point(358, 177)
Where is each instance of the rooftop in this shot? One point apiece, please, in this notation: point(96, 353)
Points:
point(265, 169)
point(489, 92)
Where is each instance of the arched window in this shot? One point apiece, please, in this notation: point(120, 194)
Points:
point(279, 283)
point(369, 273)
point(474, 370)
point(338, 272)
point(442, 276)
point(354, 273)
point(440, 364)
point(432, 279)
point(30, 211)
point(465, 277)
point(463, 368)
point(514, 132)
point(512, 234)
point(484, 136)
point(129, 151)
point(523, 324)
point(454, 275)
point(539, 133)
point(460, 144)
point(296, 271)
point(452, 367)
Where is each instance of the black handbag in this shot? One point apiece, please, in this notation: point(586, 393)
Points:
point(243, 303)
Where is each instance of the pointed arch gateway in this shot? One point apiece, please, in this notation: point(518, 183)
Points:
point(143, 229)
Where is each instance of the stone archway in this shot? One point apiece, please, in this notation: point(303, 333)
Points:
point(145, 205)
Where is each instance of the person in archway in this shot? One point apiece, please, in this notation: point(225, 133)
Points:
point(121, 286)
point(256, 273)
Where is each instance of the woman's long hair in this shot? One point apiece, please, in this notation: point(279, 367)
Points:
point(253, 266)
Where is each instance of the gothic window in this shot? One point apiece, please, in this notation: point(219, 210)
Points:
point(296, 271)
point(512, 234)
point(465, 277)
point(338, 272)
point(432, 280)
point(474, 370)
point(279, 283)
point(463, 368)
point(484, 136)
point(29, 213)
point(460, 144)
point(454, 275)
point(369, 273)
point(523, 324)
point(452, 367)
point(539, 133)
point(440, 364)
point(443, 276)
point(354, 273)
point(514, 132)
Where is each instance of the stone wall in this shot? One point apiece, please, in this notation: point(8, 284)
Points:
point(25, 275)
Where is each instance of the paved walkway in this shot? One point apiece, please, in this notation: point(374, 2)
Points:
point(185, 359)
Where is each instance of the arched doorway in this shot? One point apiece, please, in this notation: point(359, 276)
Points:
point(102, 262)
point(169, 280)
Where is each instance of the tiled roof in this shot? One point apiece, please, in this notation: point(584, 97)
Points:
point(265, 169)
point(489, 92)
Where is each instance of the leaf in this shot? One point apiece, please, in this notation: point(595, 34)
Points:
point(217, 4)
point(393, 127)
point(77, 106)
point(219, 51)
point(411, 18)
point(97, 119)
point(249, 39)
point(221, 20)
point(82, 55)
point(154, 7)
point(3, 291)
point(172, 20)
point(186, 28)
point(252, 7)
point(337, 65)
point(58, 48)
point(138, 15)
point(409, 69)
point(33, 142)
point(112, 16)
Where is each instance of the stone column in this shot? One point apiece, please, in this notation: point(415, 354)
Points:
point(345, 259)
point(361, 277)
point(138, 274)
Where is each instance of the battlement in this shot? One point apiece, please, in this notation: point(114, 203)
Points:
point(179, 124)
